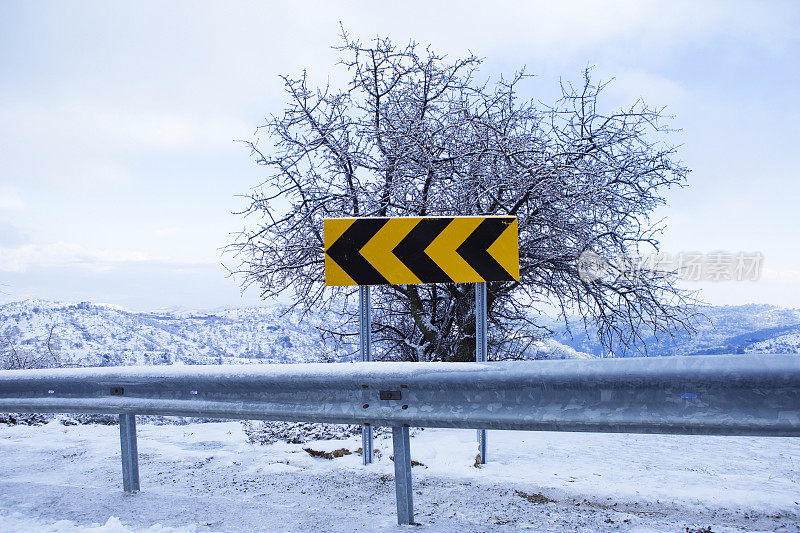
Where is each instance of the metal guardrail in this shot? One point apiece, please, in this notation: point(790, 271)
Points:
point(711, 395)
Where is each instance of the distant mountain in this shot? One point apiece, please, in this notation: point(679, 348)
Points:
point(103, 334)
point(720, 329)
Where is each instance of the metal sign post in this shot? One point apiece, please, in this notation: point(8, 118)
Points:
point(365, 340)
point(481, 352)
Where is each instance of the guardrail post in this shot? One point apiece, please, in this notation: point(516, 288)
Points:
point(402, 475)
point(365, 340)
point(130, 454)
point(481, 351)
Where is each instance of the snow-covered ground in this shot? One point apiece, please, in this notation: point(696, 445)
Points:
point(206, 477)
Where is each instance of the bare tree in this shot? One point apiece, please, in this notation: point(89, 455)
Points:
point(413, 134)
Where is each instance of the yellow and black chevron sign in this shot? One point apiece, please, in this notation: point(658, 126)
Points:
point(400, 251)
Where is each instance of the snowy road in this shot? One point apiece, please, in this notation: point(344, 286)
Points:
point(206, 477)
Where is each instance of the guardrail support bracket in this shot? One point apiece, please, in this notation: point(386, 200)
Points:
point(482, 446)
point(402, 475)
point(130, 453)
point(367, 451)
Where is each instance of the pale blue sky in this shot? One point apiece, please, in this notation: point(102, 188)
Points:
point(118, 170)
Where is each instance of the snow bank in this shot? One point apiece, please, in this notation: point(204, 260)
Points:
point(206, 477)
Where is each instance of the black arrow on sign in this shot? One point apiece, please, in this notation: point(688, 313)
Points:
point(411, 250)
point(475, 249)
point(345, 251)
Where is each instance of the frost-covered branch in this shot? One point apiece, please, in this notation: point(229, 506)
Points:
point(413, 133)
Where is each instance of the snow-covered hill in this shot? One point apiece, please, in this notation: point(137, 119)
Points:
point(101, 334)
point(719, 329)
point(787, 343)
point(104, 334)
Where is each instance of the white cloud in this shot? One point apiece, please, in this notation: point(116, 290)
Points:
point(72, 255)
point(656, 90)
point(79, 143)
point(95, 124)
point(10, 199)
point(171, 231)
point(87, 173)
point(64, 254)
point(785, 275)
point(551, 31)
